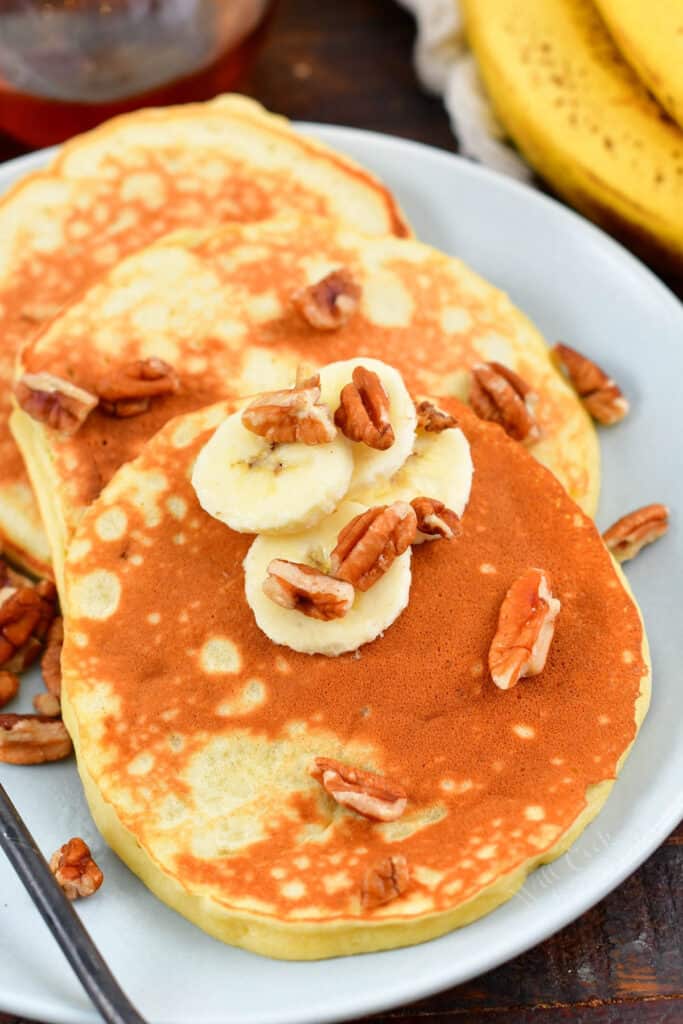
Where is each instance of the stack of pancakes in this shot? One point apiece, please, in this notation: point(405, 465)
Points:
point(182, 235)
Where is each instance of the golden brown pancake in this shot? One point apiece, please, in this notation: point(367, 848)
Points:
point(218, 307)
point(194, 732)
point(117, 188)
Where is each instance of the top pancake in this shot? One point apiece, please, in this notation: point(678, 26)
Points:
point(218, 307)
point(194, 731)
point(119, 187)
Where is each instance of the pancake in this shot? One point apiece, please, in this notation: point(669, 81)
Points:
point(119, 187)
point(217, 306)
point(194, 732)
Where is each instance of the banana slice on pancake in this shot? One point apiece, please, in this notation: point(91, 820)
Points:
point(372, 611)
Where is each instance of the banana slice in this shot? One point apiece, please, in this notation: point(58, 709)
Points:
point(370, 464)
point(440, 467)
point(372, 611)
point(254, 486)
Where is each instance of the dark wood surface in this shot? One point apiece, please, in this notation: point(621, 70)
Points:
point(622, 962)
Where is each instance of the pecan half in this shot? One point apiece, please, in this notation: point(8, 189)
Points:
point(370, 795)
point(434, 519)
point(433, 419)
point(600, 395)
point(128, 390)
point(50, 664)
point(32, 739)
point(296, 414)
point(330, 302)
point(632, 532)
point(526, 625)
point(385, 881)
point(363, 414)
point(369, 543)
point(56, 402)
point(499, 394)
point(9, 687)
point(307, 590)
point(75, 870)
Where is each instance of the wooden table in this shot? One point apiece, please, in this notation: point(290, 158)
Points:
point(349, 62)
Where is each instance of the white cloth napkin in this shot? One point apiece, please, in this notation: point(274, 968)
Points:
point(446, 66)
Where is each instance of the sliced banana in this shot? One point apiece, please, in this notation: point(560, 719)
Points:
point(370, 464)
point(372, 611)
point(439, 467)
point(254, 486)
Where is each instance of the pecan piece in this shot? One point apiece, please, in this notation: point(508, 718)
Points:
point(330, 302)
point(370, 795)
point(385, 881)
point(32, 739)
point(129, 390)
point(50, 664)
point(526, 625)
point(301, 588)
point(363, 414)
point(9, 687)
point(25, 616)
point(434, 519)
point(47, 592)
point(56, 402)
point(600, 395)
point(75, 870)
point(433, 419)
point(499, 394)
point(296, 414)
point(47, 705)
point(632, 532)
point(369, 543)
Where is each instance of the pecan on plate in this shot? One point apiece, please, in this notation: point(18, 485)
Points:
point(363, 414)
point(296, 414)
point(369, 543)
point(330, 302)
point(128, 390)
point(602, 398)
point(526, 624)
point(47, 705)
point(385, 881)
point(47, 592)
point(435, 519)
point(20, 614)
point(499, 394)
point(433, 419)
point(632, 532)
point(56, 402)
point(33, 739)
point(370, 795)
point(303, 589)
point(50, 663)
point(9, 687)
point(75, 870)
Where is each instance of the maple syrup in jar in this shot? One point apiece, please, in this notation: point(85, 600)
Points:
point(67, 65)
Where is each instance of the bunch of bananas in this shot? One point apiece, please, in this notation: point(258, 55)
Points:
point(592, 94)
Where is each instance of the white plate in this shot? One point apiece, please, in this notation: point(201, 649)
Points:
point(577, 285)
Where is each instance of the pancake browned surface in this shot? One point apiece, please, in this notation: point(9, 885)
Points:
point(119, 187)
point(218, 306)
point(194, 732)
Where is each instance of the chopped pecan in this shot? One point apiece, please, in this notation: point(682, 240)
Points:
point(50, 664)
point(433, 419)
point(75, 870)
point(32, 739)
point(601, 396)
point(370, 795)
point(434, 519)
point(25, 616)
point(363, 414)
point(526, 624)
point(292, 415)
point(57, 403)
point(385, 881)
point(330, 302)
point(499, 394)
point(307, 590)
point(632, 532)
point(47, 705)
point(129, 390)
point(9, 687)
point(369, 543)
